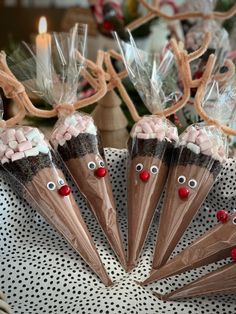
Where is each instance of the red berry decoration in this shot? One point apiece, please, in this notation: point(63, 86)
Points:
point(144, 175)
point(107, 25)
point(222, 215)
point(233, 254)
point(183, 192)
point(64, 190)
point(100, 172)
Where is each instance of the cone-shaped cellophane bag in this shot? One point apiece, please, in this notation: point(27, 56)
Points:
point(74, 137)
point(220, 281)
point(151, 141)
point(196, 162)
point(211, 247)
point(32, 167)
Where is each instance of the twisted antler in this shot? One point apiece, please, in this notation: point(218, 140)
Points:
point(155, 11)
point(14, 89)
point(201, 92)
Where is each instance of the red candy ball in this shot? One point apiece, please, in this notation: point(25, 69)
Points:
point(64, 190)
point(100, 172)
point(198, 75)
point(144, 175)
point(107, 25)
point(222, 215)
point(233, 254)
point(183, 192)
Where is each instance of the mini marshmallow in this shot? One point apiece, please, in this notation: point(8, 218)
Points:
point(38, 139)
point(91, 128)
point(13, 145)
point(17, 156)
point(146, 128)
point(71, 120)
point(61, 142)
point(143, 136)
point(194, 148)
point(138, 129)
point(20, 137)
point(44, 149)
point(8, 136)
point(31, 152)
point(73, 131)
point(160, 135)
point(33, 133)
point(4, 160)
point(221, 151)
point(3, 148)
point(67, 136)
point(201, 139)
point(207, 151)
point(205, 145)
point(9, 152)
point(192, 135)
point(24, 146)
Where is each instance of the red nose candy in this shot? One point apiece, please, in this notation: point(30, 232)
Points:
point(107, 25)
point(222, 215)
point(100, 172)
point(64, 190)
point(198, 75)
point(183, 192)
point(233, 254)
point(144, 175)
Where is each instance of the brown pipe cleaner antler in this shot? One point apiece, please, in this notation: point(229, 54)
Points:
point(14, 89)
point(155, 11)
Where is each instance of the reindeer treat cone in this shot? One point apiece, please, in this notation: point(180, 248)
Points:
point(195, 165)
point(31, 166)
point(196, 162)
point(75, 137)
point(81, 149)
point(220, 281)
point(153, 138)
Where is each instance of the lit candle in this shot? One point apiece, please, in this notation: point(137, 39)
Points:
point(43, 53)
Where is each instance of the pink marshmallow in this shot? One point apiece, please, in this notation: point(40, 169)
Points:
point(201, 139)
point(8, 136)
point(2, 148)
point(67, 136)
point(17, 156)
point(72, 130)
point(192, 135)
point(207, 152)
point(13, 145)
point(24, 146)
point(20, 136)
point(205, 145)
point(4, 160)
point(146, 127)
point(221, 151)
point(9, 152)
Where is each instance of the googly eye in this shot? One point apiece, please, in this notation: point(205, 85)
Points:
point(51, 186)
point(154, 169)
point(101, 164)
point(234, 220)
point(91, 165)
point(139, 167)
point(192, 183)
point(61, 181)
point(181, 179)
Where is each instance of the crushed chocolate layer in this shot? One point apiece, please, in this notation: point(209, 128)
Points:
point(182, 156)
point(83, 144)
point(151, 147)
point(23, 170)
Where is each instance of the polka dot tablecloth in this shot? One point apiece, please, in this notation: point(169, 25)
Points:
point(40, 273)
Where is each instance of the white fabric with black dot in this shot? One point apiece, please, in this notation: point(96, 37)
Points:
point(40, 273)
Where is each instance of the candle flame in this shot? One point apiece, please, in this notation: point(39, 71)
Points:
point(42, 25)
